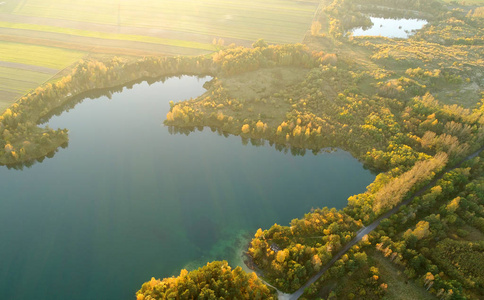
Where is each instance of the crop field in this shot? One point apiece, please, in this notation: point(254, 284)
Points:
point(278, 21)
point(15, 82)
point(43, 56)
point(10, 77)
point(23, 67)
point(55, 34)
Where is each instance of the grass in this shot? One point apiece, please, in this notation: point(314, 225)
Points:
point(23, 75)
point(16, 82)
point(475, 235)
point(15, 85)
point(398, 286)
point(109, 36)
point(262, 83)
point(254, 88)
point(43, 56)
point(282, 21)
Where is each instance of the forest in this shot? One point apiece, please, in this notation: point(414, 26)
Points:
point(397, 111)
point(410, 109)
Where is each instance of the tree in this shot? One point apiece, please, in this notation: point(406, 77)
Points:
point(315, 28)
point(395, 191)
point(216, 280)
point(246, 128)
point(281, 256)
point(260, 43)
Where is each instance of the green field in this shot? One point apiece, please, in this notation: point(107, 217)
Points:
point(55, 34)
point(23, 67)
point(108, 36)
point(12, 74)
point(280, 21)
point(49, 57)
point(15, 82)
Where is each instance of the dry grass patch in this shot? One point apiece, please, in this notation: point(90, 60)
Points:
point(258, 91)
point(399, 288)
point(262, 83)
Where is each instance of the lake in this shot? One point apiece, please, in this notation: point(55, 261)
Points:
point(127, 200)
point(391, 28)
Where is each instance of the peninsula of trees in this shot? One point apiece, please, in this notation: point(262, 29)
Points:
point(216, 280)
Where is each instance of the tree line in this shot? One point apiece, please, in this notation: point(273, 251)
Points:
point(216, 280)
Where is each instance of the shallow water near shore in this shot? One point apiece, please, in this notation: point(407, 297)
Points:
point(127, 200)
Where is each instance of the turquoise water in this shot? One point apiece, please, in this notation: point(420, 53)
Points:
point(127, 200)
point(391, 28)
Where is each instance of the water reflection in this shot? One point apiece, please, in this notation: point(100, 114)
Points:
point(29, 163)
point(108, 93)
point(128, 200)
point(78, 99)
point(256, 142)
point(391, 28)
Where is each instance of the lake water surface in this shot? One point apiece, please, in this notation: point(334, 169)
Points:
point(127, 200)
point(391, 28)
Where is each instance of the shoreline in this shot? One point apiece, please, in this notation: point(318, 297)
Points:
point(73, 89)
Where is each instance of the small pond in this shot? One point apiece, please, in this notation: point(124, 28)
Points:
point(127, 200)
point(391, 28)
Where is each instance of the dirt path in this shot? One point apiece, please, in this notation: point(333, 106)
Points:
point(319, 14)
point(20, 66)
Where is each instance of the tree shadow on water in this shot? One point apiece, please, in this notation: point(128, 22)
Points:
point(247, 141)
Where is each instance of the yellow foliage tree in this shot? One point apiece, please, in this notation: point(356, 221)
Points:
point(8, 148)
point(281, 256)
point(315, 28)
point(260, 126)
point(421, 230)
point(317, 262)
point(245, 128)
point(453, 205)
point(392, 193)
point(169, 116)
point(279, 130)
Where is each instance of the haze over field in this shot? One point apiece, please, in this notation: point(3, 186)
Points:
point(334, 148)
point(55, 34)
